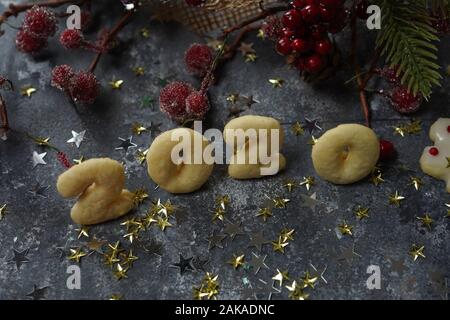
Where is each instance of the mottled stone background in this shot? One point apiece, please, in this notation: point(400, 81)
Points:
point(43, 224)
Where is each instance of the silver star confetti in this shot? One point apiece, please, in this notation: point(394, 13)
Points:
point(77, 138)
point(38, 158)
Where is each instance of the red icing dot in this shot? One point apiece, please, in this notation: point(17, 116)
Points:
point(448, 129)
point(434, 151)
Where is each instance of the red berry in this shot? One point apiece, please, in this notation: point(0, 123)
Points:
point(197, 104)
point(40, 22)
point(387, 150)
point(298, 4)
point(284, 46)
point(332, 3)
point(434, 151)
point(301, 64)
point(61, 76)
point(198, 59)
point(28, 43)
point(311, 13)
point(390, 74)
point(314, 63)
point(318, 31)
point(326, 14)
point(301, 45)
point(323, 47)
point(448, 129)
point(405, 101)
point(71, 38)
point(287, 33)
point(172, 100)
point(195, 3)
point(291, 19)
point(84, 87)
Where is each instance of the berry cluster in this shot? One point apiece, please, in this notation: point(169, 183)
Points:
point(181, 102)
point(38, 25)
point(401, 99)
point(304, 31)
point(81, 86)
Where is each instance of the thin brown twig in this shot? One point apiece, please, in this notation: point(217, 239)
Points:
point(110, 36)
point(3, 117)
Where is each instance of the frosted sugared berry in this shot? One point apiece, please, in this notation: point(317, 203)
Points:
point(404, 101)
point(71, 38)
point(323, 47)
point(197, 105)
point(434, 151)
point(314, 64)
point(40, 22)
point(172, 100)
point(272, 27)
point(387, 150)
point(84, 87)
point(284, 46)
point(390, 74)
point(28, 43)
point(63, 159)
point(198, 59)
point(62, 76)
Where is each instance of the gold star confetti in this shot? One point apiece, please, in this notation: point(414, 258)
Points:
point(110, 259)
point(43, 142)
point(149, 219)
point(261, 35)
point(297, 129)
point(132, 223)
point(138, 128)
point(141, 156)
point(120, 272)
point(290, 185)
point(345, 229)
point(223, 201)
point(395, 199)
point(280, 276)
point(287, 234)
point(417, 251)
point(131, 236)
point(308, 281)
point(139, 71)
point(362, 213)
point(237, 261)
point(313, 141)
point(139, 196)
point(27, 91)
point(83, 232)
point(280, 203)
point(115, 297)
point(208, 289)
point(265, 213)
point(218, 214)
point(251, 57)
point(279, 245)
point(79, 160)
point(115, 248)
point(400, 130)
point(233, 98)
point(376, 178)
point(276, 83)
point(298, 294)
point(246, 48)
point(76, 254)
point(3, 211)
point(448, 210)
point(308, 182)
point(414, 127)
point(145, 32)
point(169, 207)
point(116, 84)
point(448, 162)
point(163, 223)
point(426, 220)
point(416, 182)
point(129, 258)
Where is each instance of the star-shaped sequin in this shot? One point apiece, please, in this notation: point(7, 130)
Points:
point(19, 258)
point(38, 158)
point(416, 182)
point(257, 240)
point(265, 213)
point(395, 199)
point(77, 138)
point(362, 213)
point(38, 293)
point(308, 182)
point(290, 185)
point(276, 83)
point(297, 129)
point(426, 221)
point(76, 254)
point(417, 252)
point(257, 262)
point(237, 261)
point(38, 190)
point(116, 84)
point(126, 144)
point(312, 125)
point(345, 229)
point(246, 48)
point(3, 210)
point(280, 276)
point(215, 240)
point(233, 229)
point(27, 91)
point(184, 264)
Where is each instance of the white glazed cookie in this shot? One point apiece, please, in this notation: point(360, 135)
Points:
point(435, 161)
point(243, 149)
point(172, 177)
point(346, 154)
point(99, 184)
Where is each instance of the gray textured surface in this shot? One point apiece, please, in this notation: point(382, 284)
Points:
point(43, 224)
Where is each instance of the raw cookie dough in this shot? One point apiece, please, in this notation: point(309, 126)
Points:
point(435, 161)
point(99, 183)
point(346, 154)
point(172, 177)
point(243, 149)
